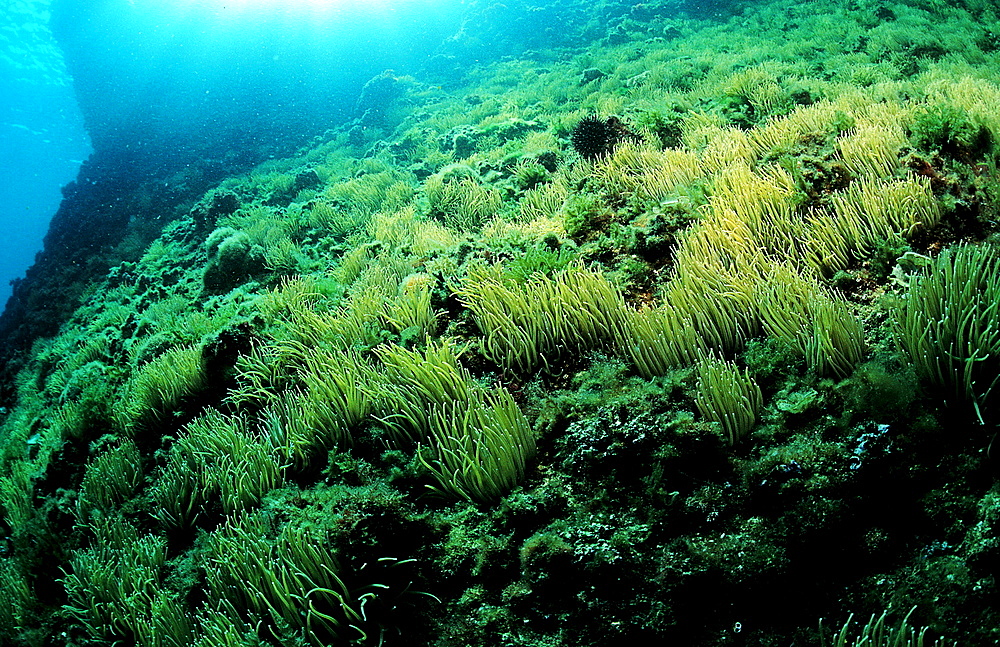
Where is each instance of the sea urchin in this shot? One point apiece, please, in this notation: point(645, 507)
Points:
point(594, 137)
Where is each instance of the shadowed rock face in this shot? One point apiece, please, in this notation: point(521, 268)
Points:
point(184, 77)
point(174, 102)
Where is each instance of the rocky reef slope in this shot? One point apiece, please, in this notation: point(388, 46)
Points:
point(447, 380)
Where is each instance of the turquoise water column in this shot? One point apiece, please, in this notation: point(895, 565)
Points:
point(42, 138)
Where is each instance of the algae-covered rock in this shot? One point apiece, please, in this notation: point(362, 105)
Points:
point(232, 259)
point(455, 383)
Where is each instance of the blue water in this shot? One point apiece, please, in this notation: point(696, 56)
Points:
point(42, 139)
point(157, 86)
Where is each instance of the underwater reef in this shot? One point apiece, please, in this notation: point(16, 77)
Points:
point(467, 375)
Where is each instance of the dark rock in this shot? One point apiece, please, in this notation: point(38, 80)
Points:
point(591, 74)
point(307, 179)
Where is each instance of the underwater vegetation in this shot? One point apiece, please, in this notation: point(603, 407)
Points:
point(949, 327)
point(484, 377)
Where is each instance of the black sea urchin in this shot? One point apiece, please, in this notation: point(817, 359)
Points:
point(590, 137)
point(594, 137)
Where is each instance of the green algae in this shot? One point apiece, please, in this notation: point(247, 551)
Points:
point(241, 384)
